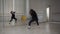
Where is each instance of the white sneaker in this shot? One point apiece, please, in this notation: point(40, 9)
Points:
point(29, 27)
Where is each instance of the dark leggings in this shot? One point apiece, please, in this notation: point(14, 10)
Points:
point(13, 18)
point(32, 21)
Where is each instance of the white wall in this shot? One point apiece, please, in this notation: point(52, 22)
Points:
point(19, 9)
point(1, 15)
point(8, 6)
point(38, 5)
point(1, 10)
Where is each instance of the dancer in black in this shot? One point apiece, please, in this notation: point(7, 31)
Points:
point(34, 17)
point(13, 16)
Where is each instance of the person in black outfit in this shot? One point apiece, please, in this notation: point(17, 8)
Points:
point(34, 17)
point(13, 16)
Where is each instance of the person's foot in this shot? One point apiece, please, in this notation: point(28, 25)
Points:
point(9, 23)
point(29, 27)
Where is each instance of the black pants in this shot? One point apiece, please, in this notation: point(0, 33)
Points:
point(13, 18)
point(32, 21)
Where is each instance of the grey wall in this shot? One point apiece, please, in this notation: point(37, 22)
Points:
point(40, 7)
point(54, 10)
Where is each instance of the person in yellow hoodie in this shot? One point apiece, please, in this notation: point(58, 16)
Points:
point(23, 18)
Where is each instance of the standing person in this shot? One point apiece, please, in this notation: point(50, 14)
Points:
point(34, 17)
point(13, 16)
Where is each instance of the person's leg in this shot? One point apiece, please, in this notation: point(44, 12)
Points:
point(30, 22)
point(11, 19)
point(37, 22)
point(15, 20)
